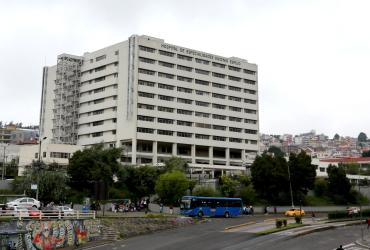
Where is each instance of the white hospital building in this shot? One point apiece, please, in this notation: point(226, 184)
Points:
point(155, 100)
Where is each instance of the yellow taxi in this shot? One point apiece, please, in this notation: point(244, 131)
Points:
point(295, 212)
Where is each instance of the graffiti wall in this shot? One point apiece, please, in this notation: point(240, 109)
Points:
point(50, 234)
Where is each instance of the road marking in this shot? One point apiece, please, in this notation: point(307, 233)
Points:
point(240, 225)
point(123, 246)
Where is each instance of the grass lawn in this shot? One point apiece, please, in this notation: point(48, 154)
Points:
point(274, 230)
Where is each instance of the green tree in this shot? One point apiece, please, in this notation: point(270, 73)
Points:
point(362, 137)
point(336, 137)
point(276, 151)
point(339, 186)
point(139, 182)
point(351, 168)
point(228, 186)
point(175, 163)
point(248, 194)
point(302, 173)
point(93, 165)
point(171, 186)
point(206, 191)
point(321, 187)
point(366, 153)
point(270, 177)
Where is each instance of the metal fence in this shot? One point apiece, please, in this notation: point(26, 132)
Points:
point(46, 214)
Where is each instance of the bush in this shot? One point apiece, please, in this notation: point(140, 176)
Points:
point(298, 219)
point(285, 222)
point(278, 223)
point(337, 215)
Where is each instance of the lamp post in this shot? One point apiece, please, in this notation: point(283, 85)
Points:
point(39, 166)
point(4, 157)
point(290, 187)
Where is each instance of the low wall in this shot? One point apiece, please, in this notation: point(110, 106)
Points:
point(48, 234)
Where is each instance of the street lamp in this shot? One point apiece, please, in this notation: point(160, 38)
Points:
point(290, 186)
point(39, 166)
point(4, 157)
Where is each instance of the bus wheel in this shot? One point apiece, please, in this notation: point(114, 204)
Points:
point(227, 215)
point(200, 214)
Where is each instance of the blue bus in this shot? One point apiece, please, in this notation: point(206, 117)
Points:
point(211, 206)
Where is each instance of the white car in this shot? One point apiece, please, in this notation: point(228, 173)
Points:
point(24, 202)
point(66, 210)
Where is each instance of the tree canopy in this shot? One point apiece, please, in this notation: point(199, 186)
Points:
point(362, 137)
point(171, 186)
point(276, 151)
point(339, 186)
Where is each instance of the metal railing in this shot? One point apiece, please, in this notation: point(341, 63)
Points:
point(46, 214)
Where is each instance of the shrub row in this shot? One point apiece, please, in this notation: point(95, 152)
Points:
point(281, 222)
point(344, 214)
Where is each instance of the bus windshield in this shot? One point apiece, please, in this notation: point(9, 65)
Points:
point(185, 204)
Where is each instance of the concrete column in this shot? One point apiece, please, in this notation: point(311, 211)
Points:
point(155, 153)
point(227, 156)
point(192, 153)
point(133, 152)
point(174, 149)
point(244, 156)
point(210, 155)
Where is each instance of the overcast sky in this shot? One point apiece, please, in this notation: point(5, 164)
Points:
point(313, 56)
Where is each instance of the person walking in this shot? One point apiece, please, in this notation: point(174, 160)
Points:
point(340, 248)
point(368, 223)
point(313, 216)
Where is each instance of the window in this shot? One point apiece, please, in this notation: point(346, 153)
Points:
point(186, 101)
point(201, 114)
point(165, 86)
point(250, 81)
point(218, 85)
point(145, 130)
point(99, 58)
point(164, 120)
point(99, 90)
point(166, 98)
point(59, 155)
point(97, 134)
point(202, 61)
point(202, 125)
point(114, 132)
point(166, 64)
point(180, 67)
point(184, 123)
point(237, 140)
point(166, 53)
point(147, 49)
point(146, 83)
point(203, 104)
point(99, 79)
point(234, 69)
point(145, 118)
point(253, 141)
point(146, 60)
point(234, 98)
point(235, 119)
point(146, 71)
point(116, 52)
point(184, 79)
point(218, 127)
point(98, 123)
point(114, 120)
point(98, 100)
point(250, 121)
point(236, 109)
point(184, 112)
point(200, 92)
point(203, 72)
point(219, 65)
point(218, 75)
point(218, 96)
point(219, 117)
point(164, 132)
point(100, 68)
point(250, 111)
point(165, 109)
point(183, 134)
point(147, 95)
point(183, 57)
point(251, 131)
point(185, 90)
point(250, 101)
point(205, 83)
point(233, 78)
point(164, 75)
point(250, 72)
point(98, 112)
point(235, 88)
point(200, 136)
point(250, 91)
point(145, 106)
point(219, 138)
point(232, 129)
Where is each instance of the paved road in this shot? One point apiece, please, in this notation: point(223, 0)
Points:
point(212, 236)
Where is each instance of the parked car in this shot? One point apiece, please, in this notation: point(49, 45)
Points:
point(34, 212)
point(20, 211)
point(353, 210)
point(67, 211)
point(24, 202)
point(295, 212)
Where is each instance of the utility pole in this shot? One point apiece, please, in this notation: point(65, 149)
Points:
point(3, 169)
point(290, 187)
point(38, 168)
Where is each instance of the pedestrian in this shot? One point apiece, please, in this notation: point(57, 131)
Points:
point(275, 211)
point(251, 210)
point(313, 216)
point(265, 211)
point(171, 209)
point(368, 223)
point(340, 248)
point(161, 208)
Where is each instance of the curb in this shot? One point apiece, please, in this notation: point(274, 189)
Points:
point(328, 227)
point(358, 242)
point(240, 225)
